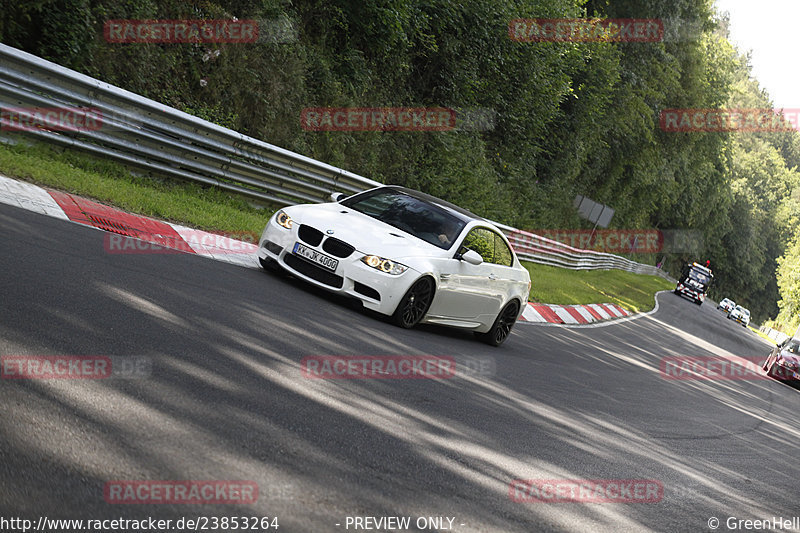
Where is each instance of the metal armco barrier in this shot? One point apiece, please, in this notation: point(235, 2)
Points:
point(774, 334)
point(150, 136)
point(537, 249)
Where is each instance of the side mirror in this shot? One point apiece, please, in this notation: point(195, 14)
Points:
point(472, 257)
point(338, 196)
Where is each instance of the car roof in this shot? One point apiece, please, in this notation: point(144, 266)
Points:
point(462, 213)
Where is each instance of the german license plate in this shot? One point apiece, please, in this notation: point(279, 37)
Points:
point(315, 257)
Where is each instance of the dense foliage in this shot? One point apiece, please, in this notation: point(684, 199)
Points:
point(566, 118)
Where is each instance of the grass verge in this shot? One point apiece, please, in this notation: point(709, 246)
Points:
point(634, 292)
point(110, 183)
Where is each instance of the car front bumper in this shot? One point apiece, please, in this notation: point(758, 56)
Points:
point(788, 373)
point(690, 293)
point(377, 290)
point(740, 320)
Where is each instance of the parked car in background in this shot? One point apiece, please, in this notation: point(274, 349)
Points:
point(727, 305)
point(740, 315)
point(405, 254)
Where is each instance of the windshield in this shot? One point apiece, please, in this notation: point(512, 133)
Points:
point(421, 219)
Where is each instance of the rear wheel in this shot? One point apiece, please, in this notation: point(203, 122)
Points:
point(414, 304)
point(501, 328)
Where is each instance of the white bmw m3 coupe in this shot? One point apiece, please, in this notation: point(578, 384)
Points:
point(405, 254)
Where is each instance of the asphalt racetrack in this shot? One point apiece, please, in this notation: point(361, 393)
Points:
point(221, 397)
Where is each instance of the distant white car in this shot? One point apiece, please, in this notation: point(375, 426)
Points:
point(740, 315)
point(404, 254)
point(726, 304)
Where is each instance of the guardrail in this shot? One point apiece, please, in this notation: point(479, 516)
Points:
point(150, 136)
point(143, 133)
point(774, 334)
point(538, 249)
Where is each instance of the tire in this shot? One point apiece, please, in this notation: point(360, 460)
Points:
point(414, 304)
point(501, 329)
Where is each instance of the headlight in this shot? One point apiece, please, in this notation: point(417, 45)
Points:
point(283, 219)
point(384, 265)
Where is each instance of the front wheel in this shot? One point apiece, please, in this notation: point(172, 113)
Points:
point(414, 304)
point(501, 329)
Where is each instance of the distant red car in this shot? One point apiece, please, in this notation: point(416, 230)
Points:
point(783, 361)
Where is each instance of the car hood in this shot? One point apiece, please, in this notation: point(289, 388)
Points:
point(790, 358)
point(366, 234)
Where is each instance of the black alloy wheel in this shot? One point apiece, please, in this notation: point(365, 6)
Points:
point(501, 329)
point(414, 304)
